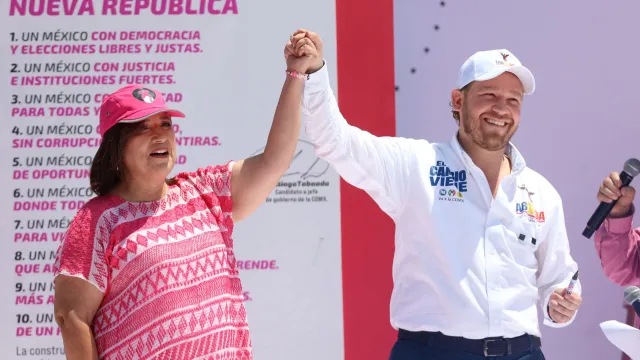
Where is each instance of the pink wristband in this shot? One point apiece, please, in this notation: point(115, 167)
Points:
point(297, 74)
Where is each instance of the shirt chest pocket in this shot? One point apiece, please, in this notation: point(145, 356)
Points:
point(524, 234)
point(526, 223)
point(523, 238)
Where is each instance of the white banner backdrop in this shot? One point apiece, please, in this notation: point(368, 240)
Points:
point(221, 62)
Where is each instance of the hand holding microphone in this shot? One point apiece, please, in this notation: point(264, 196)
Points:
point(615, 196)
point(611, 190)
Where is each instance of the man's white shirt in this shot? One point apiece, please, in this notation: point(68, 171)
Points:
point(465, 263)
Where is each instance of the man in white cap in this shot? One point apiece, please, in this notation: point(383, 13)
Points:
point(480, 237)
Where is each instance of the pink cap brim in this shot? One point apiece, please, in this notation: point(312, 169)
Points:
point(145, 113)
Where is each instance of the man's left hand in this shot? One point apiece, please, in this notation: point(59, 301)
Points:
point(562, 307)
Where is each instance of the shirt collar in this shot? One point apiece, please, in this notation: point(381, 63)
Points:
point(517, 161)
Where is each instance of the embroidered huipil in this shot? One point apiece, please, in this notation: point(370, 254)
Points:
point(167, 270)
point(465, 264)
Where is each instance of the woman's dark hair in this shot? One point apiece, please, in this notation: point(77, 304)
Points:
point(107, 167)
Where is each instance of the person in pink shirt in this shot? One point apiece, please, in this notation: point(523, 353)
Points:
point(616, 241)
point(147, 268)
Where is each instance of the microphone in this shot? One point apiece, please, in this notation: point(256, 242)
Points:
point(632, 295)
point(631, 169)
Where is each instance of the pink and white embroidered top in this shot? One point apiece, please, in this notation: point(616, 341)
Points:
point(167, 270)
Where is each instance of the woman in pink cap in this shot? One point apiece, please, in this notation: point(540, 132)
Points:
point(147, 268)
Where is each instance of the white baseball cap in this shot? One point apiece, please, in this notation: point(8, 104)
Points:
point(488, 64)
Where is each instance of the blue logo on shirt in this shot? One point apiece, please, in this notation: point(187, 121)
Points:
point(441, 175)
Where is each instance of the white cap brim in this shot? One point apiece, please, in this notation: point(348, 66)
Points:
point(524, 74)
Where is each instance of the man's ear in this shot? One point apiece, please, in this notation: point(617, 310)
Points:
point(456, 100)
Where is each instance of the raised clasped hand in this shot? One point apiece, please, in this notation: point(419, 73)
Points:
point(303, 52)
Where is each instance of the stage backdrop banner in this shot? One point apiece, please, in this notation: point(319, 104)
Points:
point(221, 62)
point(576, 128)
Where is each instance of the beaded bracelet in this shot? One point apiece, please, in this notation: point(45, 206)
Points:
point(297, 74)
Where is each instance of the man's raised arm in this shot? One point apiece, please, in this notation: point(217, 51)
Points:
point(378, 165)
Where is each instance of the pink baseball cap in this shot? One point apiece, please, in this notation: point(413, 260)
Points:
point(130, 104)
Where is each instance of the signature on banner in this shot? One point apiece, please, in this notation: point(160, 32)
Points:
point(306, 179)
point(305, 163)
